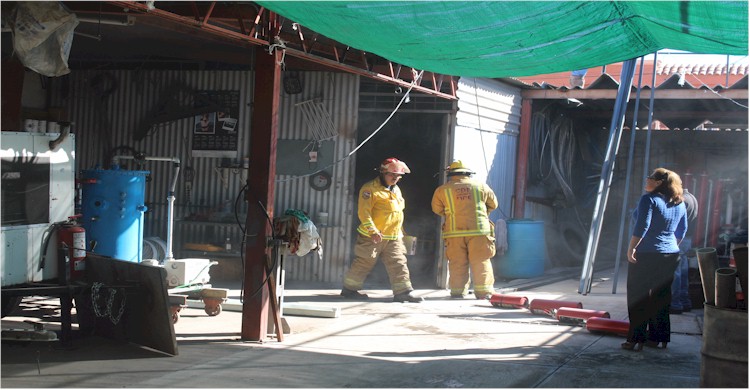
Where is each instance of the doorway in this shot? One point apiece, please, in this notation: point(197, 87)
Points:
point(415, 138)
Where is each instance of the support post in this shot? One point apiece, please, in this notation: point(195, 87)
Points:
point(523, 159)
point(260, 193)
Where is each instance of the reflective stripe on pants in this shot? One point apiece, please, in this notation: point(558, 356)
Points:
point(473, 252)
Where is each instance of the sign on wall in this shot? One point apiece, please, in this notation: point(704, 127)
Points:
point(215, 134)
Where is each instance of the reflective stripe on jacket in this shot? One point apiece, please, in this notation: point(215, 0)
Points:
point(380, 210)
point(465, 204)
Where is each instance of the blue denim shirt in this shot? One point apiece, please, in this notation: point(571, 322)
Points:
point(659, 223)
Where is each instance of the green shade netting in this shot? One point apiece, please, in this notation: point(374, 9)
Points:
point(522, 38)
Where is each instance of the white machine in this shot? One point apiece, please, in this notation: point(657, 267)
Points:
point(38, 190)
point(187, 272)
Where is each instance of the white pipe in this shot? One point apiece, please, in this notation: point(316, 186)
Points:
point(126, 157)
point(127, 21)
point(170, 195)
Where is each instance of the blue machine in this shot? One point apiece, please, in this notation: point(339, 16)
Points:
point(113, 207)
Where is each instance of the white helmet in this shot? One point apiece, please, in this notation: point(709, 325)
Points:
point(394, 165)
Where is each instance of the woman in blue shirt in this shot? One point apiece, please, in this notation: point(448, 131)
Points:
point(653, 254)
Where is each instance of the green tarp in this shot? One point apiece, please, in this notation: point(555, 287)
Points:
point(522, 38)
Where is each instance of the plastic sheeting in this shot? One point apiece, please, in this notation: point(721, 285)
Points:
point(522, 38)
point(42, 36)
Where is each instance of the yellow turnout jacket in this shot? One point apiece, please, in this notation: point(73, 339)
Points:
point(465, 204)
point(380, 210)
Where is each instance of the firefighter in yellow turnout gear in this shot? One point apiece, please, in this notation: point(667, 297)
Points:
point(380, 209)
point(467, 231)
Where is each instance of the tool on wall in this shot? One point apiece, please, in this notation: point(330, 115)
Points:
point(178, 101)
point(318, 119)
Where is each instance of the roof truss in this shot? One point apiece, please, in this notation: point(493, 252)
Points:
point(249, 23)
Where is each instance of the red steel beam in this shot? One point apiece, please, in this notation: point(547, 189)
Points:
point(260, 193)
point(336, 63)
point(522, 160)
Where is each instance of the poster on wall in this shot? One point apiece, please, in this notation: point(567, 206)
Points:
point(215, 133)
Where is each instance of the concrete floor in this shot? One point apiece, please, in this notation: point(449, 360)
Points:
point(438, 343)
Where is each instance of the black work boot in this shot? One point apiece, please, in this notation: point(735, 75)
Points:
point(352, 294)
point(407, 297)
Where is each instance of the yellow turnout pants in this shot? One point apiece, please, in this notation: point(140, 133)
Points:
point(473, 252)
point(393, 255)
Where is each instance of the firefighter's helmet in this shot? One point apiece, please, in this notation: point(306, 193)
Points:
point(394, 165)
point(458, 168)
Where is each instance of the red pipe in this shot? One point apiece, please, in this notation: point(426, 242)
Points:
point(702, 207)
point(509, 301)
point(549, 306)
point(607, 325)
point(572, 314)
point(522, 160)
point(715, 217)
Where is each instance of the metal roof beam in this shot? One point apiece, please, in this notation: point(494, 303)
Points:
point(664, 114)
point(326, 54)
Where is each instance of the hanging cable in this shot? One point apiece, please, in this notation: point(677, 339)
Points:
point(716, 93)
point(411, 86)
point(539, 142)
point(561, 156)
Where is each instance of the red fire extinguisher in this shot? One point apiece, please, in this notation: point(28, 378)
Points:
point(74, 237)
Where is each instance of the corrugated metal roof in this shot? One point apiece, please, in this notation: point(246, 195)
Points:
point(713, 75)
point(675, 111)
point(701, 69)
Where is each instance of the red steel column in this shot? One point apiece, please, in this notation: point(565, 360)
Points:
point(523, 159)
point(261, 189)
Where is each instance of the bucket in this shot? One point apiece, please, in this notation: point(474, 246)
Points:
point(724, 350)
point(410, 242)
point(526, 250)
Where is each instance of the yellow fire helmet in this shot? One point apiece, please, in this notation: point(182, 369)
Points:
point(394, 165)
point(458, 168)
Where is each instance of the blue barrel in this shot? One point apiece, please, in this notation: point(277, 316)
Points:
point(526, 250)
point(113, 207)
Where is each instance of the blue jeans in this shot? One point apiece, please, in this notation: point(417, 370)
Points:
point(680, 284)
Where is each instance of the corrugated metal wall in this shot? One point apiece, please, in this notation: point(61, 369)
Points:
point(488, 120)
point(107, 107)
point(339, 94)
